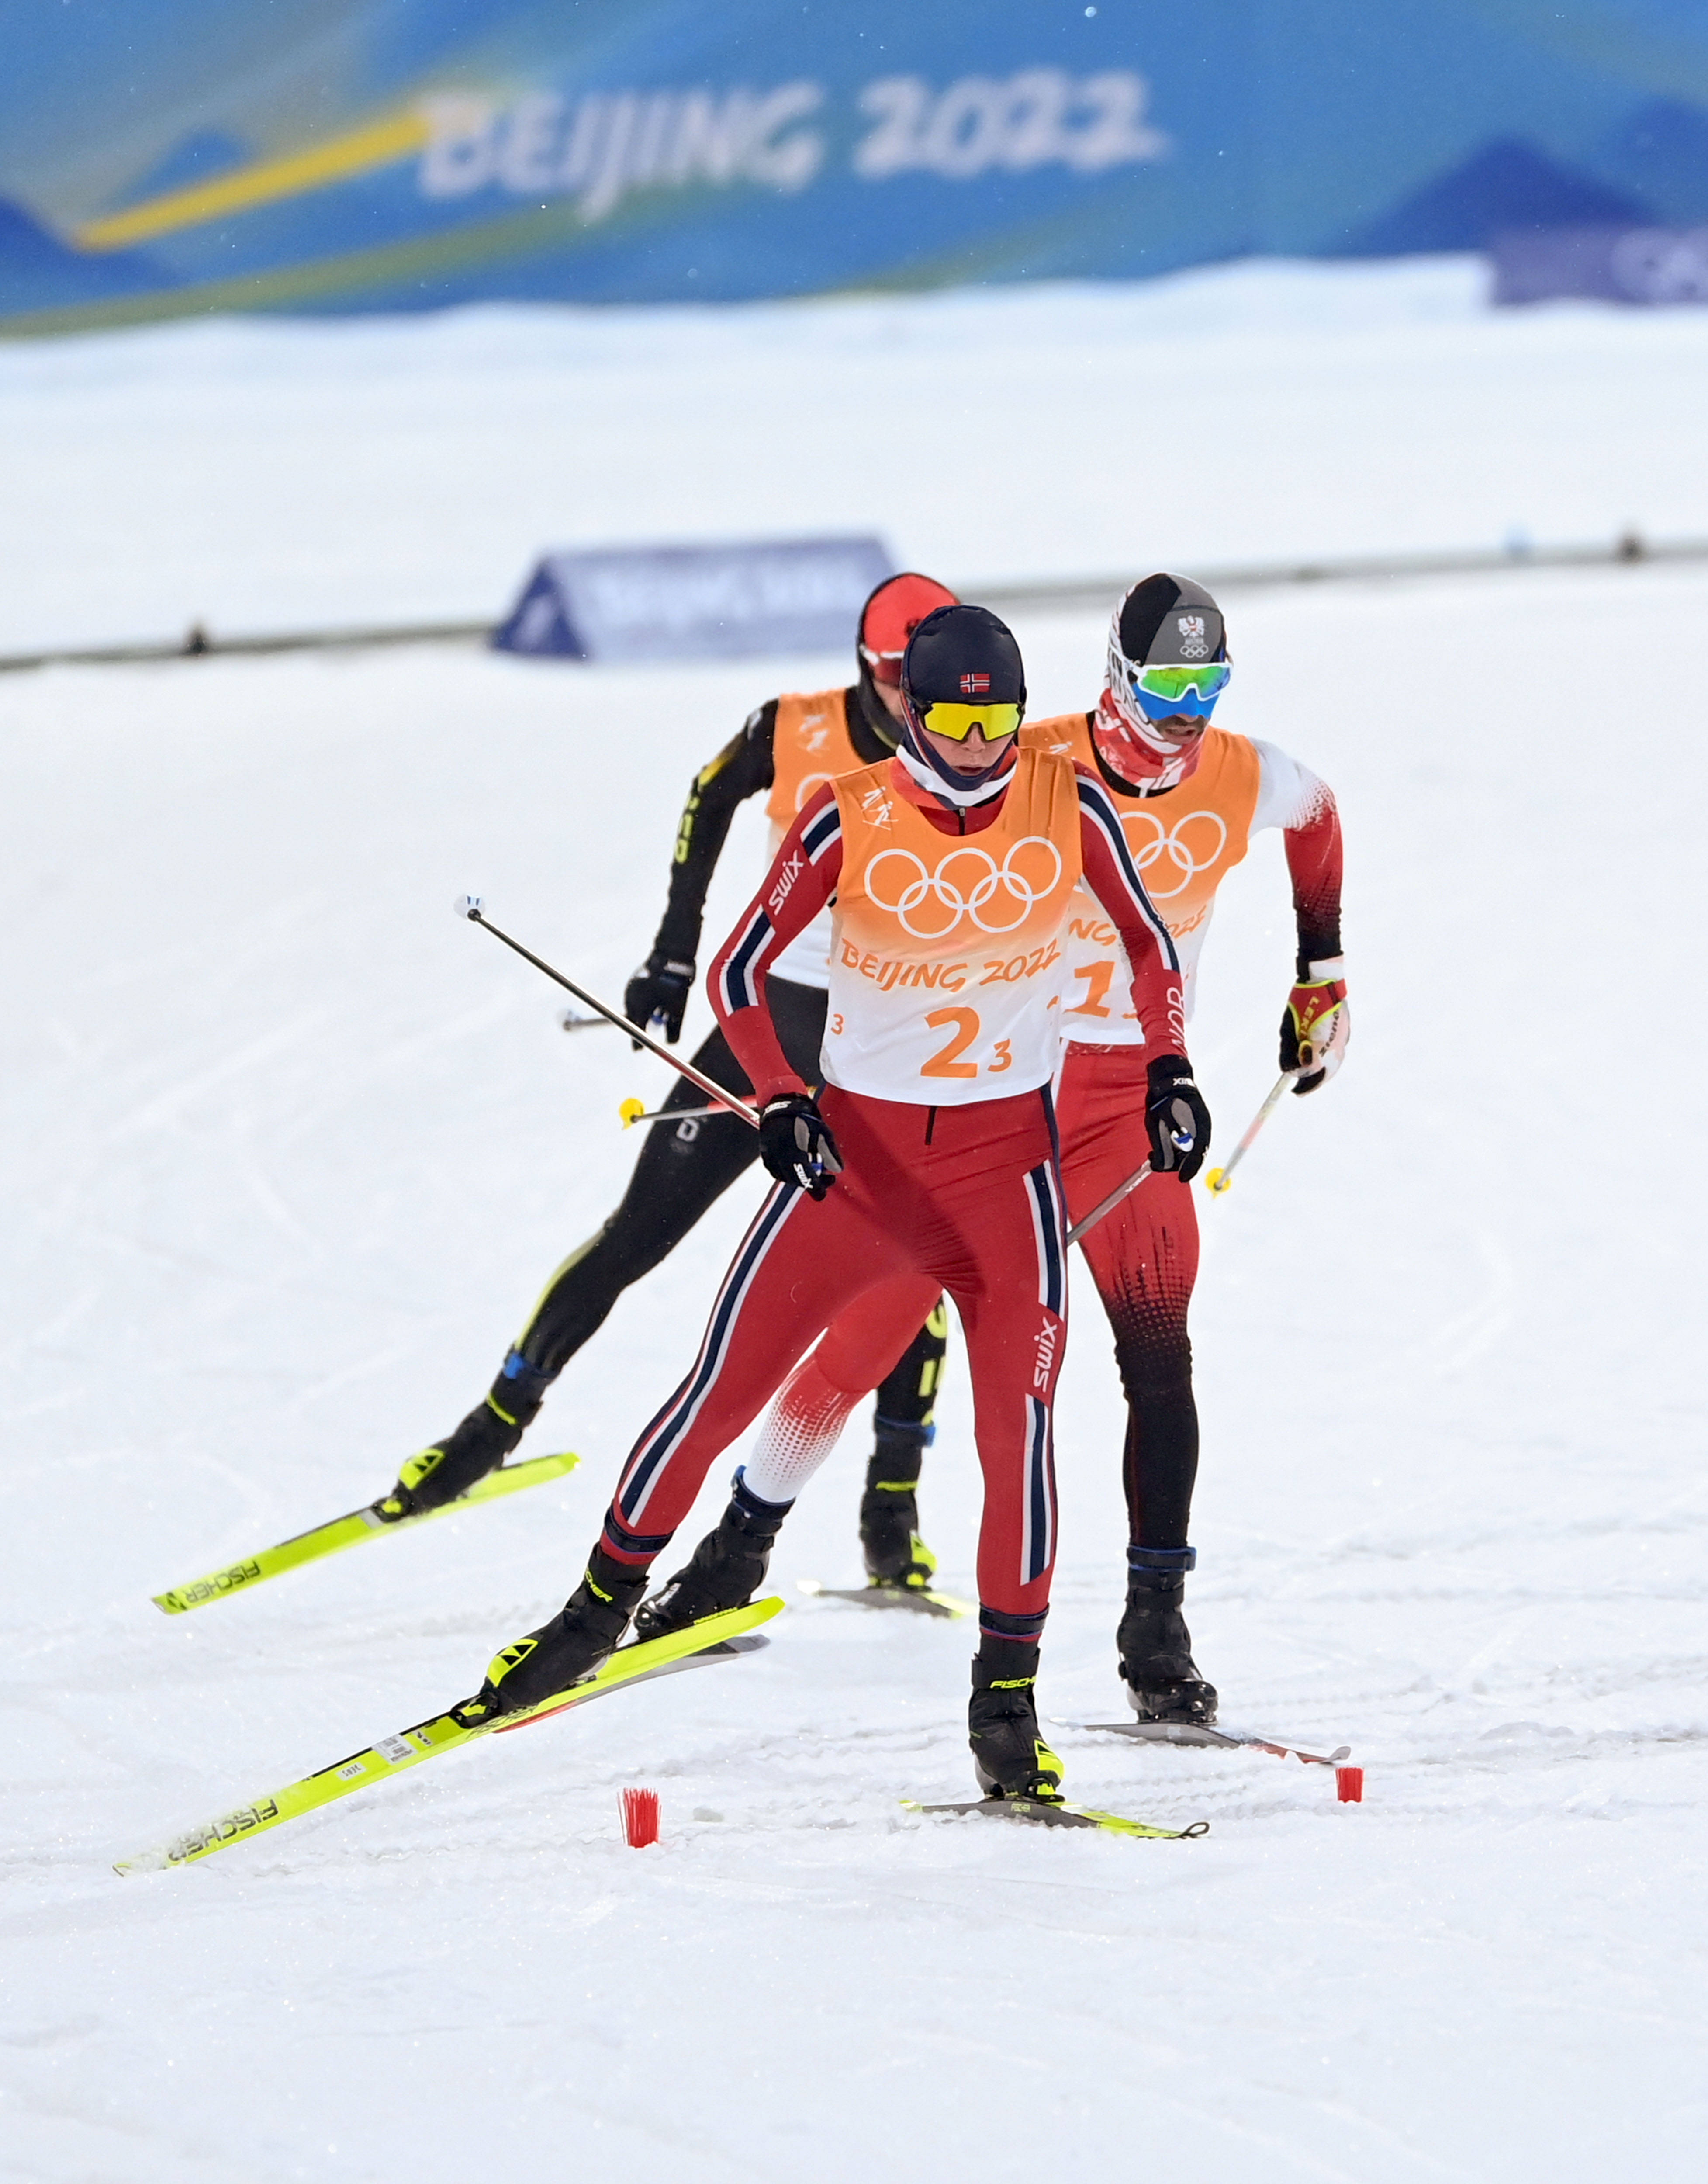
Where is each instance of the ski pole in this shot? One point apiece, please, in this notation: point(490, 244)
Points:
point(634, 1110)
point(469, 906)
point(1120, 1191)
point(1217, 1181)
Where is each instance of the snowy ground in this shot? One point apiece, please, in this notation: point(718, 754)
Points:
point(265, 475)
point(289, 1150)
point(286, 1153)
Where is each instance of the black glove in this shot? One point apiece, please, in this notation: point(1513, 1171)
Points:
point(795, 1144)
point(1177, 1120)
point(658, 994)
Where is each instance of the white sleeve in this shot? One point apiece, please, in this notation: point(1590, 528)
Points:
point(1289, 794)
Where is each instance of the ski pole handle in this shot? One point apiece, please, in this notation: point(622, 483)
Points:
point(1120, 1191)
point(469, 906)
point(1218, 1178)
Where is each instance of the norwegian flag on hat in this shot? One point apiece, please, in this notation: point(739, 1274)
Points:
point(974, 686)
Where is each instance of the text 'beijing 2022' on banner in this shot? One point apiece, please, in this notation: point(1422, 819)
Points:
point(189, 157)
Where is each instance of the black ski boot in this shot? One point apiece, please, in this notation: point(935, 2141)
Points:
point(479, 1444)
point(1156, 1647)
point(1009, 1756)
point(725, 1570)
point(560, 1653)
point(894, 1554)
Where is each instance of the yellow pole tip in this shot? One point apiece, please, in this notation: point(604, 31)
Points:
point(632, 1111)
point(1216, 1181)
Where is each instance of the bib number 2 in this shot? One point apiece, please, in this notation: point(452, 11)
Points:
point(946, 1061)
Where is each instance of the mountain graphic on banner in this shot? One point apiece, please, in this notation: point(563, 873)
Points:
point(38, 272)
point(1503, 184)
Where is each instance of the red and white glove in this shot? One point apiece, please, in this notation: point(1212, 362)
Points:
point(1315, 1027)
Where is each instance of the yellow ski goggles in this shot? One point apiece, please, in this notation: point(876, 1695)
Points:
point(957, 721)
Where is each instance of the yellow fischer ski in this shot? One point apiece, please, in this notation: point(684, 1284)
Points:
point(716, 1636)
point(351, 1531)
point(1056, 1813)
point(923, 1600)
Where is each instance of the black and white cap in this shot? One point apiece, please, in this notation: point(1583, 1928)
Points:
point(1170, 621)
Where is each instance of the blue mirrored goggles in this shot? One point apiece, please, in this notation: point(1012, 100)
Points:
point(1160, 692)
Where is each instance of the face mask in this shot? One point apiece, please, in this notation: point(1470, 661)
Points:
point(1133, 750)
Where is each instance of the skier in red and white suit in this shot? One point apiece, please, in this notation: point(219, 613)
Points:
point(1189, 796)
point(931, 1165)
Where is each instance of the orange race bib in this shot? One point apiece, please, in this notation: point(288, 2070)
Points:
point(1184, 843)
point(810, 746)
point(946, 957)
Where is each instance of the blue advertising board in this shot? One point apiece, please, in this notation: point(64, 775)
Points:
point(188, 156)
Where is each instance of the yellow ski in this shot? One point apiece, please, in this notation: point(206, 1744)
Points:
point(923, 1600)
point(351, 1531)
point(1057, 1813)
point(716, 1637)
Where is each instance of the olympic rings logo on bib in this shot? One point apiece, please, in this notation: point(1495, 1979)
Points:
point(968, 882)
point(1172, 845)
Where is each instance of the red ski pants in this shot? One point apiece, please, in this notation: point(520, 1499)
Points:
point(1144, 1259)
point(961, 1199)
point(1144, 1255)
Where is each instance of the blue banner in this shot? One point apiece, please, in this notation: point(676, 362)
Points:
point(630, 602)
point(189, 156)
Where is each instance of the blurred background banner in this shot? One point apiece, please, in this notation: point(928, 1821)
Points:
point(340, 155)
point(696, 601)
point(1617, 265)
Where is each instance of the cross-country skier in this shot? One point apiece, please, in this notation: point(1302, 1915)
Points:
point(951, 870)
point(1190, 798)
point(787, 750)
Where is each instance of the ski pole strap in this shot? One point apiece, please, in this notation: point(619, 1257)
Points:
point(469, 907)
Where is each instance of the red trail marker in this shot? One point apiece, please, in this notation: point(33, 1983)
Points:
point(640, 1815)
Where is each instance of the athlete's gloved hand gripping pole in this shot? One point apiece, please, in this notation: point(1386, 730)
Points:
point(1313, 1034)
point(469, 906)
point(1314, 1025)
point(1178, 1124)
point(795, 1144)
